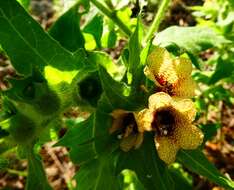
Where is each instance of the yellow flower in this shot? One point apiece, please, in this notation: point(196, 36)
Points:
point(124, 123)
point(171, 120)
point(172, 76)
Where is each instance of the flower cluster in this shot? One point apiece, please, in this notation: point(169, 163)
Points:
point(170, 112)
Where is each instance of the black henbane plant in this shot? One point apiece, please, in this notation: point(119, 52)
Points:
point(140, 109)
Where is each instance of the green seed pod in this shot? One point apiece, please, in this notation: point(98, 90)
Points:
point(89, 89)
point(47, 103)
point(22, 129)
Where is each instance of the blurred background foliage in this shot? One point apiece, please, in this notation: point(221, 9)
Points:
point(206, 38)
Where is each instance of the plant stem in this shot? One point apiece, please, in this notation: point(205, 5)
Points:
point(16, 172)
point(112, 15)
point(157, 20)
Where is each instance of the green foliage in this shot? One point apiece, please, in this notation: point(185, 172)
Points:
point(147, 166)
point(36, 175)
point(56, 71)
point(69, 23)
point(24, 3)
point(197, 162)
point(191, 40)
point(37, 46)
point(100, 174)
point(95, 28)
point(22, 129)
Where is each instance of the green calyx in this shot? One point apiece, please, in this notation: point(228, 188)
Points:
point(88, 90)
point(22, 129)
point(47, 102)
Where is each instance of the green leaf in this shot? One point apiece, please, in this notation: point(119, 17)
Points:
point(24, 3)
point(98, 174)
point(66, 30)
point(95, 27)
point(196, 161)
point(190, 39)
point(26, 43)
point(134, 56)
point(36, 174)
point(151, 171)
point(116, 92)
point(145, 52)
point(4, 163)
point(129, 181)
point(182, 179)
point(101, 58)
point(217, 93)
point(224, 69)
point(209, 130)
point(112, 38)
point(89, 138)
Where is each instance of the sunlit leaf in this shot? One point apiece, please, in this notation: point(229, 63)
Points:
point(95, 27)
point(27, 45)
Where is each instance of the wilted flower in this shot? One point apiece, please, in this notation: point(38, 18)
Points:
point(172, 76)
point(171, 120)
point(124, 123)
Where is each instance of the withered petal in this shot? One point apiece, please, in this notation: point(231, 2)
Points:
point(144, 119)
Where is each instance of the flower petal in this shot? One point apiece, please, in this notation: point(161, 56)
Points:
point(139, 140)
point(159, 100)
point(189, 136)
point(186, 107)
point(185, 88)
point(183, 67)
point(161, 66)
point(144, 119)
point(166, 148)
point(128, 143)
point(150, 75)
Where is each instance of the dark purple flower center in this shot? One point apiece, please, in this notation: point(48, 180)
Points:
point(164, 122)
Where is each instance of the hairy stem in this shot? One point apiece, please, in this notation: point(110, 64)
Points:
point(112, 15)
point(157, 20)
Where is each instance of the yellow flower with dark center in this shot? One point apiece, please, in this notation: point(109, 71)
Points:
point(124, 124)
point(171, 75)
point(171, 119)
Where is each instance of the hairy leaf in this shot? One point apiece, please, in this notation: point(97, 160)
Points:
point(25, 42)
point(66, 30)
point(98, 174)
point(151, 171)
point(95, 27)
point(196, 161)
point(89, 138)
point(190, 39)
point(117, 92)
point(36, 174)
